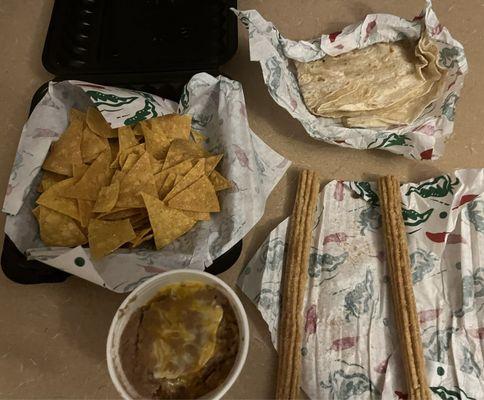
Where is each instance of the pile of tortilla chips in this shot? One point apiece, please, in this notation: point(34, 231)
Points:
point(381, 85)
point(122, 187)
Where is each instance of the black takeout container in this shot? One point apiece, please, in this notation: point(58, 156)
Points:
point(154, 46)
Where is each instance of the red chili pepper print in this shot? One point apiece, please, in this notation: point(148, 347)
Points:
point(465, 199)
point(344, 343)
point(441, 237)
point(427, 154)
point(311, 320)
point(333, 36)
point(338, 237)
point(428, 315)
point(339, 193)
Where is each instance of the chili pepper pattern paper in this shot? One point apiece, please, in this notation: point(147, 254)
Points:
point(218, 110)
point(350, 348)
point(423, 139)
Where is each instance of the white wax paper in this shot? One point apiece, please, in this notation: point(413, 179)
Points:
point(350, 347)
point(218, 109)
point(423, 139)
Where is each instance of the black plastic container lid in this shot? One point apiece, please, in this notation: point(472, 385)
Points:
point(139, 41)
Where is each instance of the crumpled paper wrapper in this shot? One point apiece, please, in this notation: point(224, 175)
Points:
point(350, 348)
point(218, 109)
point(423, 140)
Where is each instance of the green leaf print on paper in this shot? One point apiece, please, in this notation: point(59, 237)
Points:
point(273, 75)
point(110, 100)
point(475, 213)
point(422, 263)
point(273, 253)
point(325, 263)
point(388, 141)
point(437, 342)
point(359, 299)
point(268, 299)
point(148, 111)
point(437, 187)
point(448, 108)
point(414, 218)
point(369, 219)
point(472, 288)
point(449, 394)
point(470, 365)
point(185, 98)
point(364, 190)
point(349, 382)
point(449, 56)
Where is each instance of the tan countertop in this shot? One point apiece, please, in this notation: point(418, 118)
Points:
point(52, 337)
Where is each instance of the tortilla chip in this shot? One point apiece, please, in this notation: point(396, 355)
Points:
point(36, 212)
point(156, 165)
point(117, 176)
point(168, 224)
point(107, 236)
point(126, 138)
point(173, 126)
point(198, 137)
point(117, 213)
point(97, 175)
point(66, 150)
point(57, 229)
point(123, 154)
point(98, 124)
point(212, 162)
point(200, 196)
point(74, 113)
point(52, 199)
point(140, 128)
point(180, 168)
point(219, 182)
point(92, 145)
point(181, 150)
point(157, 143)
point(193, 175)
point(168, 184)
point(49, 179)
point(78, 170)
point(142, 236)
point(85, 211)
point(138, 179)
point(107, 198)
point(198, 216)
point(131, 160)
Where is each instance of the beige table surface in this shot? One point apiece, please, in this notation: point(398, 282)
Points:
point(52, 337)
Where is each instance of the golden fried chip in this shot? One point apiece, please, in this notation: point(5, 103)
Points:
point(138, 179)
point(140, 128)
point(168, 224)
point(117, 176)
point(211, 162)
point(49, 179)
point(142, 236)
point(180, 168)
point(120, 213)
point(74, 113)
point(168, 184)
point(138, 150)
point(200, 196)
point(92, 145)
point(198, 216)
point(173, 126)
point(78, 170)
point(156, 165)
point(57, 229)
point(131, 160)
point(107, 198)
point(85, 211)
point(198, 137)
point(66, 150)
point(96, 176)
point(36, 212)
point(126, 138)
point(52, 199)
point(157, 143)
point(107, 236)
point(219, 182)
point(114, 146)
point(193, 175)
point(181, 150)
point(98, 124)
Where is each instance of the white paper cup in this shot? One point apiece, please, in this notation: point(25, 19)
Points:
point(141, 296)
